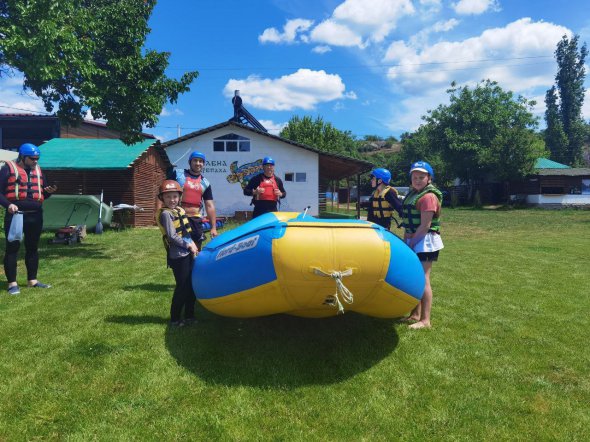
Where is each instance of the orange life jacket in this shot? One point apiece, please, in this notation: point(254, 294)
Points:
point(19, 183)
point(192, 196)
point(269, 185)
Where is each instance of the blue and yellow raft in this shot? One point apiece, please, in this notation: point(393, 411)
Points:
point(285, 262)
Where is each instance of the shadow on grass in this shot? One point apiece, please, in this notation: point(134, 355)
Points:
point(78, 250)
point(281, 351)
point(151, 287)
point(136, 320)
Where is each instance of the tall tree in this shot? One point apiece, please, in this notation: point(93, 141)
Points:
point(319, 134)
point(555, 137)
point(80, 55)
point(484, 131)
point(570, 89)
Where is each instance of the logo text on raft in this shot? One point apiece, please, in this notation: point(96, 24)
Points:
point(238, 247)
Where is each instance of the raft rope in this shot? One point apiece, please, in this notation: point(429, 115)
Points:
point(341, 289)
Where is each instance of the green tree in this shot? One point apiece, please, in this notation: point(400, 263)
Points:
point(88, 54)
point(484, 132)
point(570, 89)
point(555, 137)
point(321, 135)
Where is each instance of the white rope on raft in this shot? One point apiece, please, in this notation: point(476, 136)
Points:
point(341, 289)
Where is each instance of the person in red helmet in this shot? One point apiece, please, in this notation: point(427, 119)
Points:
point(180, 251)
point(23, 188)
point(266, 189)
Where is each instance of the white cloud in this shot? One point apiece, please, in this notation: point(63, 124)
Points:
point(475, 7)
point(290, 31)
point(586, 106)
point(303, 89)
point(336, 34)
point(480, 57)
point(322, 49)
point(421, 38)
point(354, 23)
point(167, 113)
point(13, 100)
point(272, 127)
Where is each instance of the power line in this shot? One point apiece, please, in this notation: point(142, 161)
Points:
point(361, 66)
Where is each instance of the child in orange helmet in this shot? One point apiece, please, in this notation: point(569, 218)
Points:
point(181, 251)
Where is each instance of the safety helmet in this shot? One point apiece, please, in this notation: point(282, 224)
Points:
point(382, 174)
point(422, 166)
point(268, 160)
point(196, 154)
point(169, 186)
point(29, 150)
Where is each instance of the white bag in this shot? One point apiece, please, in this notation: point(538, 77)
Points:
point(15, 233)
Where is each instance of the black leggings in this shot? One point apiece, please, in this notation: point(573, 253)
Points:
point(32, 227)
point(183, 293)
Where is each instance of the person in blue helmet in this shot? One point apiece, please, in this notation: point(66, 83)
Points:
point(197, 196)
point(384, 200)
point(266, 189)
point(421, 220)
point(23, 188)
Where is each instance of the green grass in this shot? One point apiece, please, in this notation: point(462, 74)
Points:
point(507, 358)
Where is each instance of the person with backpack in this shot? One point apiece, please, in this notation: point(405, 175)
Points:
point(266, 189)
point(23, 188)
point(180, 252)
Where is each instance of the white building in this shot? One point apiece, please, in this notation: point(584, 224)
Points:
point(234, 153)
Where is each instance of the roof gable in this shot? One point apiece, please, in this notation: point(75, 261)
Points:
point(546, 163)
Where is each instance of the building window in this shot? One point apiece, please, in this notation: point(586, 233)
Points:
point(297, 177)
point(552, 190)
point(231, 143)
point(300, 177)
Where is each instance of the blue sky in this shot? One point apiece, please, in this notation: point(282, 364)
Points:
point(372, 67)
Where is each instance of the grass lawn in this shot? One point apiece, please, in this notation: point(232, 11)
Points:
point(507, 358)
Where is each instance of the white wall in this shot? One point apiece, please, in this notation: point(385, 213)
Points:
point(228, 196)
point(564, 200)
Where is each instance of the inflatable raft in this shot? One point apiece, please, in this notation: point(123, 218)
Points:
point(286, 262)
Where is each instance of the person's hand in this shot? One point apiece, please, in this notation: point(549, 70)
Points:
point(13, 208)
point(278, 192)
point(213, 232)
point(259, 190)
point(192, 247)
point(50, 189)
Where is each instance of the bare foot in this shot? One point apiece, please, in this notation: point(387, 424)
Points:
point(408, 319)
point(419, 325)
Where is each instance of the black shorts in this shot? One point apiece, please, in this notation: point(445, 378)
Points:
point(428, 256)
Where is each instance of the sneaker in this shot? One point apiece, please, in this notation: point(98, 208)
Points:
point(14, 290)
point(40, 285)
point(176, 324)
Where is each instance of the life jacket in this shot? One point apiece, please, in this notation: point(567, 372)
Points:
point(193, 190)
point(411, 215)
point(380, 207)
point(269, 185)
point(20, 183)
point(179, 221)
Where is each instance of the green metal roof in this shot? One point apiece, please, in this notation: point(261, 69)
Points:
point(90, 153)
point(546, 163)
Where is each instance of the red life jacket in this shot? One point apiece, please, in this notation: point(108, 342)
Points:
point(269, 185)
point(192, 195)
point(19, 183)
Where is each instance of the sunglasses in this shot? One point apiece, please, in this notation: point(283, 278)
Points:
point(33, 158)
